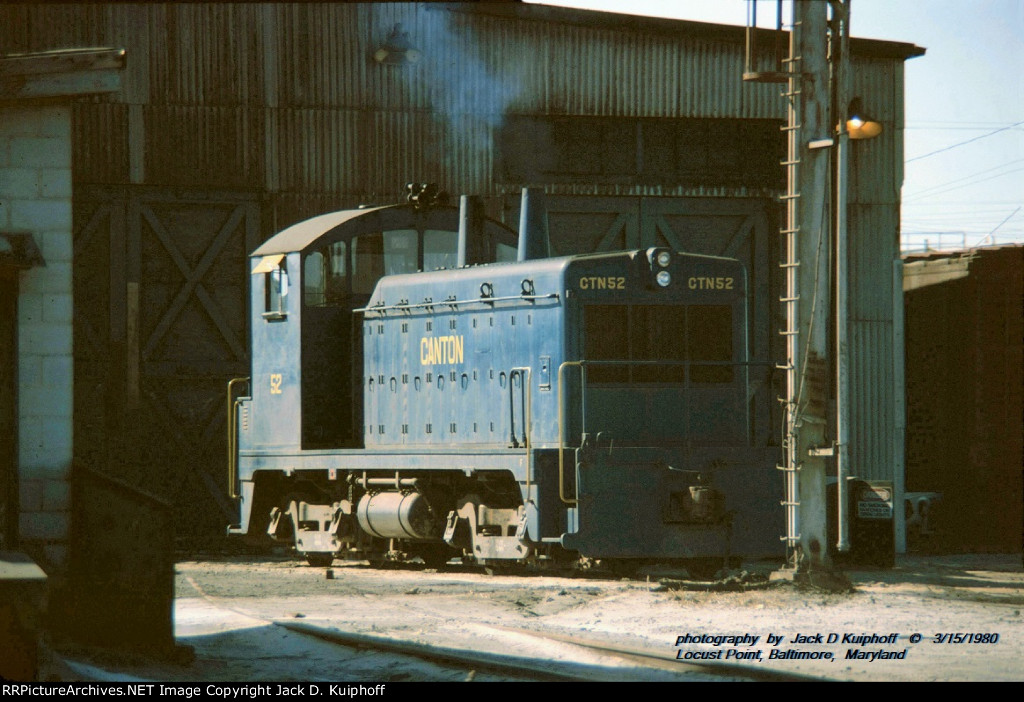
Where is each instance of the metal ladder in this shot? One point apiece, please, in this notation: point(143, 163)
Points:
point(790, 265)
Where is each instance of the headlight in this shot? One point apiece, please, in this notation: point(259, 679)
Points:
point(664, 258)
point(663, 278)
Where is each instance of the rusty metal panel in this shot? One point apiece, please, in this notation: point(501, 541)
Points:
point(592, 71)
point(46, 26)
point(200, 56)
point(370, 155)
point(194, 145)
point(99, 142)
point(316, 150)
point(56, 26)
point(318, 53)
point(135, 28)
point(400, 147)
point(475, 68)
point(16, 22)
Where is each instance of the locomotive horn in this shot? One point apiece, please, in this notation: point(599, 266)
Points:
point(471, 230)
point(533, 226)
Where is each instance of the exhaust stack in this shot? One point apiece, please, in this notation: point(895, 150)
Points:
point(471, 230)
point(533, 226)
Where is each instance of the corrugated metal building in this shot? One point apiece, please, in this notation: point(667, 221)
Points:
point(236, 120)
point(965, 331)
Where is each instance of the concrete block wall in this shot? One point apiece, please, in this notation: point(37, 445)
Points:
point(35, 196)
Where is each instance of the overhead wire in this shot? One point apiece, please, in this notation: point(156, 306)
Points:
point(963, 143)
point(1008, 218)
point(967, 185)
point(966, 177)
point(942, 125)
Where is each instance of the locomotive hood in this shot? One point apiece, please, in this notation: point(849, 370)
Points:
point(553, 278)
point(474, 283)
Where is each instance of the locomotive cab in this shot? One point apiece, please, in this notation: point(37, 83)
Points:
point(306, 283)
point(305, 390)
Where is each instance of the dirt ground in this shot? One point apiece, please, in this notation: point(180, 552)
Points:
point(225, 611)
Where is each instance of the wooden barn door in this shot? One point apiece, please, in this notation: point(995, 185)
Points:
point(161, 324)
point(582, 224)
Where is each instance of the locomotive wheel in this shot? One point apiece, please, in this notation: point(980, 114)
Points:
point(703, 568)
point(320, 560)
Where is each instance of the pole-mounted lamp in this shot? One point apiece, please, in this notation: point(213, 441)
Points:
point(859, 124)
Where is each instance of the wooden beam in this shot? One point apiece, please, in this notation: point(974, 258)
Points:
point(65, 72)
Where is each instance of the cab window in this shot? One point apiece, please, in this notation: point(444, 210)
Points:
point(324, 276)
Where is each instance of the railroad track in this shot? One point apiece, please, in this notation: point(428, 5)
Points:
point(471, 661)
point(639, 659)
point(574, 659)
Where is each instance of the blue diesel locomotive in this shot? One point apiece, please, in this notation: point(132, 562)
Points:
point(425, 386)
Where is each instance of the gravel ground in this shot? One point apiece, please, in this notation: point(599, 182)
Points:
point(225, 608)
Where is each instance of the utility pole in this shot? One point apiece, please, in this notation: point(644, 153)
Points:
point(806, 299)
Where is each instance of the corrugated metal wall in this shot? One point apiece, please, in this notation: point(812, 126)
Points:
point(876, 176)
point(286, 98)
point(284, 101)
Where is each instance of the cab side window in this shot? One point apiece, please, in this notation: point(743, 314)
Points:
point(325, 276)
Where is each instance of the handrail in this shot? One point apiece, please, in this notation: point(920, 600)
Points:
point(456, 303)
point(561, 434)
point(233, 438)
point(528, 401)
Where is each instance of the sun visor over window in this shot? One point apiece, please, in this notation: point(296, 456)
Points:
point(268, 263)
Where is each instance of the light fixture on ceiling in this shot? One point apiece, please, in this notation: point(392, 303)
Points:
point(859, 124)
point(397, 49)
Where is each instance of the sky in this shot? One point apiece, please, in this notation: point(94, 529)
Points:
point(964, 140)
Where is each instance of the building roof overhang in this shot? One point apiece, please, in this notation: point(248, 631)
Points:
point(60, 73)
point(705, 31)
